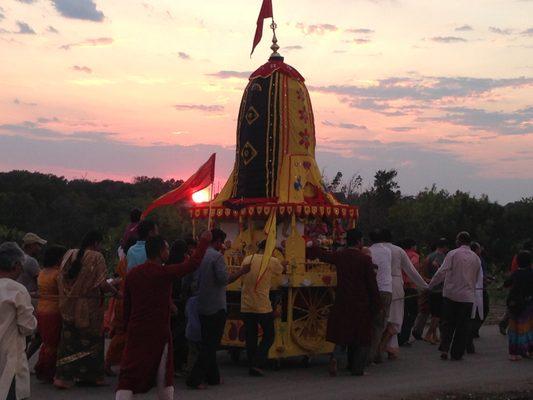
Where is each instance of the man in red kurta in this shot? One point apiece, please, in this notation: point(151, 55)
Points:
point(147, 359)
point(356, 301)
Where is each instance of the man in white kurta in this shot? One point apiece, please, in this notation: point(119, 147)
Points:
point(16, 323)
point(400, 262)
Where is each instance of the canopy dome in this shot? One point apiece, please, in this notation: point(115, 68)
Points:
point(275, 149)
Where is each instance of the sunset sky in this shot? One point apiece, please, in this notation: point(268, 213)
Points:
point(440, 90)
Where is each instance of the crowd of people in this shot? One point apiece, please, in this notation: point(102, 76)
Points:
point(166, 307)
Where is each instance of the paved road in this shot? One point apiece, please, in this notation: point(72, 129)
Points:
point(419, 371)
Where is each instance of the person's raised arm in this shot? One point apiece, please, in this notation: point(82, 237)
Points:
point(230, 278)
point(193, 262)
point(412, 273)
point(26, 321)
point(441, 272)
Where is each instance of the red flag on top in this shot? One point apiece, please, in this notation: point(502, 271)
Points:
point(200, 180)
point(266, 12)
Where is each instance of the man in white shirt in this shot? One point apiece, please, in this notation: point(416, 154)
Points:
point(460, 272)
point(382, 258)
point(16, 323)
point(400, 262)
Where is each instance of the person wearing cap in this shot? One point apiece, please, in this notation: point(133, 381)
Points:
point(32, 245)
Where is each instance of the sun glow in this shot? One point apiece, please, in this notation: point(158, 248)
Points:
point(201, 196)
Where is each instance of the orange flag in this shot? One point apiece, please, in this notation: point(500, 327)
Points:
point(200, 180)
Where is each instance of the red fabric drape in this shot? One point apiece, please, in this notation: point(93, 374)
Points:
point(200, 180)
point(266, 12)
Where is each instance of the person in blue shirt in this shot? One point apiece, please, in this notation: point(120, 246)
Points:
point(137, 253)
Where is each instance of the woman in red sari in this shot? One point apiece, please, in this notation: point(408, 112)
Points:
point(48, 315)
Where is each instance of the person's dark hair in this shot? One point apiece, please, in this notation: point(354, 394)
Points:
point(408, 243)
point(523, 258)
point(386, 235)
point(375, 235)
point(130, 242)
point(218, 235)
point(475, 247)
point(178, 250)
point(144, 228)
point(135, 215)
point(53, 256)
point(154, 245)
point(463, 238)
point(353, 236)
point(262, 244)
point(10, 254)
point(442, 242)
point(90, 239)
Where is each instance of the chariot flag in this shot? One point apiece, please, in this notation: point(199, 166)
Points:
point(266, 12)
point(200, 180)
point(271, 234)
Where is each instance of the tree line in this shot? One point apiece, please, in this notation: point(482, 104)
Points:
point(62, 210)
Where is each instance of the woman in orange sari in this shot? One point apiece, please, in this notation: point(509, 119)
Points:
point(48, 315)
point(117, 333)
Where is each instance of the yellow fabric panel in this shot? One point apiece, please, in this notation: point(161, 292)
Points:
point(227, 190)
point(301, 132)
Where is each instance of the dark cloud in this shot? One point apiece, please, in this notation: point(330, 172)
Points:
point(423, 88)
point(2, 15)
point(215, 108)
point(448, 141)
point(290, 48)
point(519, 122)
point(24, 28)
point(401, 128)
point(360, 40)
point(19, 102)
point(79, 9)
point(464, 28)
point(448, 39)
point(46, 120)
point(51, 29)
point(184, 56)
point(317, 29)
point(500, 31)
point(361, 31)
point(82, 68)
point(27, 1)
point(344, 125)
point(35, 130)
point(101, 41)
point(527, 32)
point(231, 74)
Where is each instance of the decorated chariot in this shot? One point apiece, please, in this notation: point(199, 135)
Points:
point(275, 192)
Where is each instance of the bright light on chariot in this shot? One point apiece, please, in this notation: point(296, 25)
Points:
point(202, 196)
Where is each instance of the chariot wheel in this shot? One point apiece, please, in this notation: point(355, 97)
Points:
point(311, 307)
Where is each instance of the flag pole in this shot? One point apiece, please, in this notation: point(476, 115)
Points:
point(210, 205)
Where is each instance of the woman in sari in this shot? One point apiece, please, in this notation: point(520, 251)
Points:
point(48, 315)
point(117, 332)
point(520, 306)
point(82, 283)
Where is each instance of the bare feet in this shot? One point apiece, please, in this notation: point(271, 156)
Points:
point(61, 384)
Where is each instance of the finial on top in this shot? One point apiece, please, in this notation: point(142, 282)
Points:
point(275, 46)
